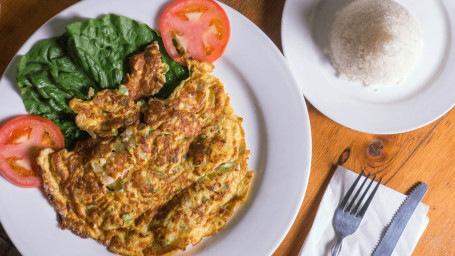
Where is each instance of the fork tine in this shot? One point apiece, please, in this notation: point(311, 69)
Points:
point(348, 209)
point(348, 194)
point(363, 196)
point(367, 203)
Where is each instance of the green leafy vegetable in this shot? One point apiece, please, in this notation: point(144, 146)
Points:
point(102, 46)
point(174, 75)
point(90, 56)
point(48, 79)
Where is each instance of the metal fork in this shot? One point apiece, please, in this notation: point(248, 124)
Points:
point(347, 219)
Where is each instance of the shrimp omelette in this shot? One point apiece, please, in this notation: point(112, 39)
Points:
point(156, 175)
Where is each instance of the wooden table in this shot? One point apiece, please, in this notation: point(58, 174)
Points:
point(402, 160)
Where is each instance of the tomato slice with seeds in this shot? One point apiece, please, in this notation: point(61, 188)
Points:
point(21, 140)
point(197, 29)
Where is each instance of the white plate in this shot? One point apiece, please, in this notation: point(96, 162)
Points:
point(262, 91)
point(428, 93)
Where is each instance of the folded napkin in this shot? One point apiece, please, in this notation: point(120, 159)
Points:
point(379, 214)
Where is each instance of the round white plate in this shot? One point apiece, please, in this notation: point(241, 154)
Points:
point(427, 94)
point(262, 91)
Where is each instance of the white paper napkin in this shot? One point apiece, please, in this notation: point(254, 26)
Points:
point(379, 214)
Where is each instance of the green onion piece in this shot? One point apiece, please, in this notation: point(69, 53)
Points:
point(126, 217)
point(123, 90)
point(211, 175)
point(141, 103)
point(150, 131)
point(225, 169)
point(158, 172)
point(201, 179)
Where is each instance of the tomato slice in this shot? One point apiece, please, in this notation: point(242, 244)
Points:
point(21, 140)
point(197, 29)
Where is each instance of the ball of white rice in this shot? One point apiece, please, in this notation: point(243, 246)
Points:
point(377, 42)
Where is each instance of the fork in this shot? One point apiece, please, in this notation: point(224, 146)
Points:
point(347, 219)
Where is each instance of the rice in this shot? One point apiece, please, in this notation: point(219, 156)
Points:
point(377, 42)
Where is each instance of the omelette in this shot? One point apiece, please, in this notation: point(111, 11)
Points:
point(156, 174)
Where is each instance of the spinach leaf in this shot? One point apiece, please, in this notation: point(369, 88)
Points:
point(102, 47)
point(176, 74)
point(48, 79)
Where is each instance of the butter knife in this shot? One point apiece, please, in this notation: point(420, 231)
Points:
point(399, 221)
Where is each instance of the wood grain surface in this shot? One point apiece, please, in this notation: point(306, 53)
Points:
point(402, 160)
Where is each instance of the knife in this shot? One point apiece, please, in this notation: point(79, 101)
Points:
point(399, 221)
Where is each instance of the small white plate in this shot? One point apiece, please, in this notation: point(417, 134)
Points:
point(427, 94)
point(277, 128)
